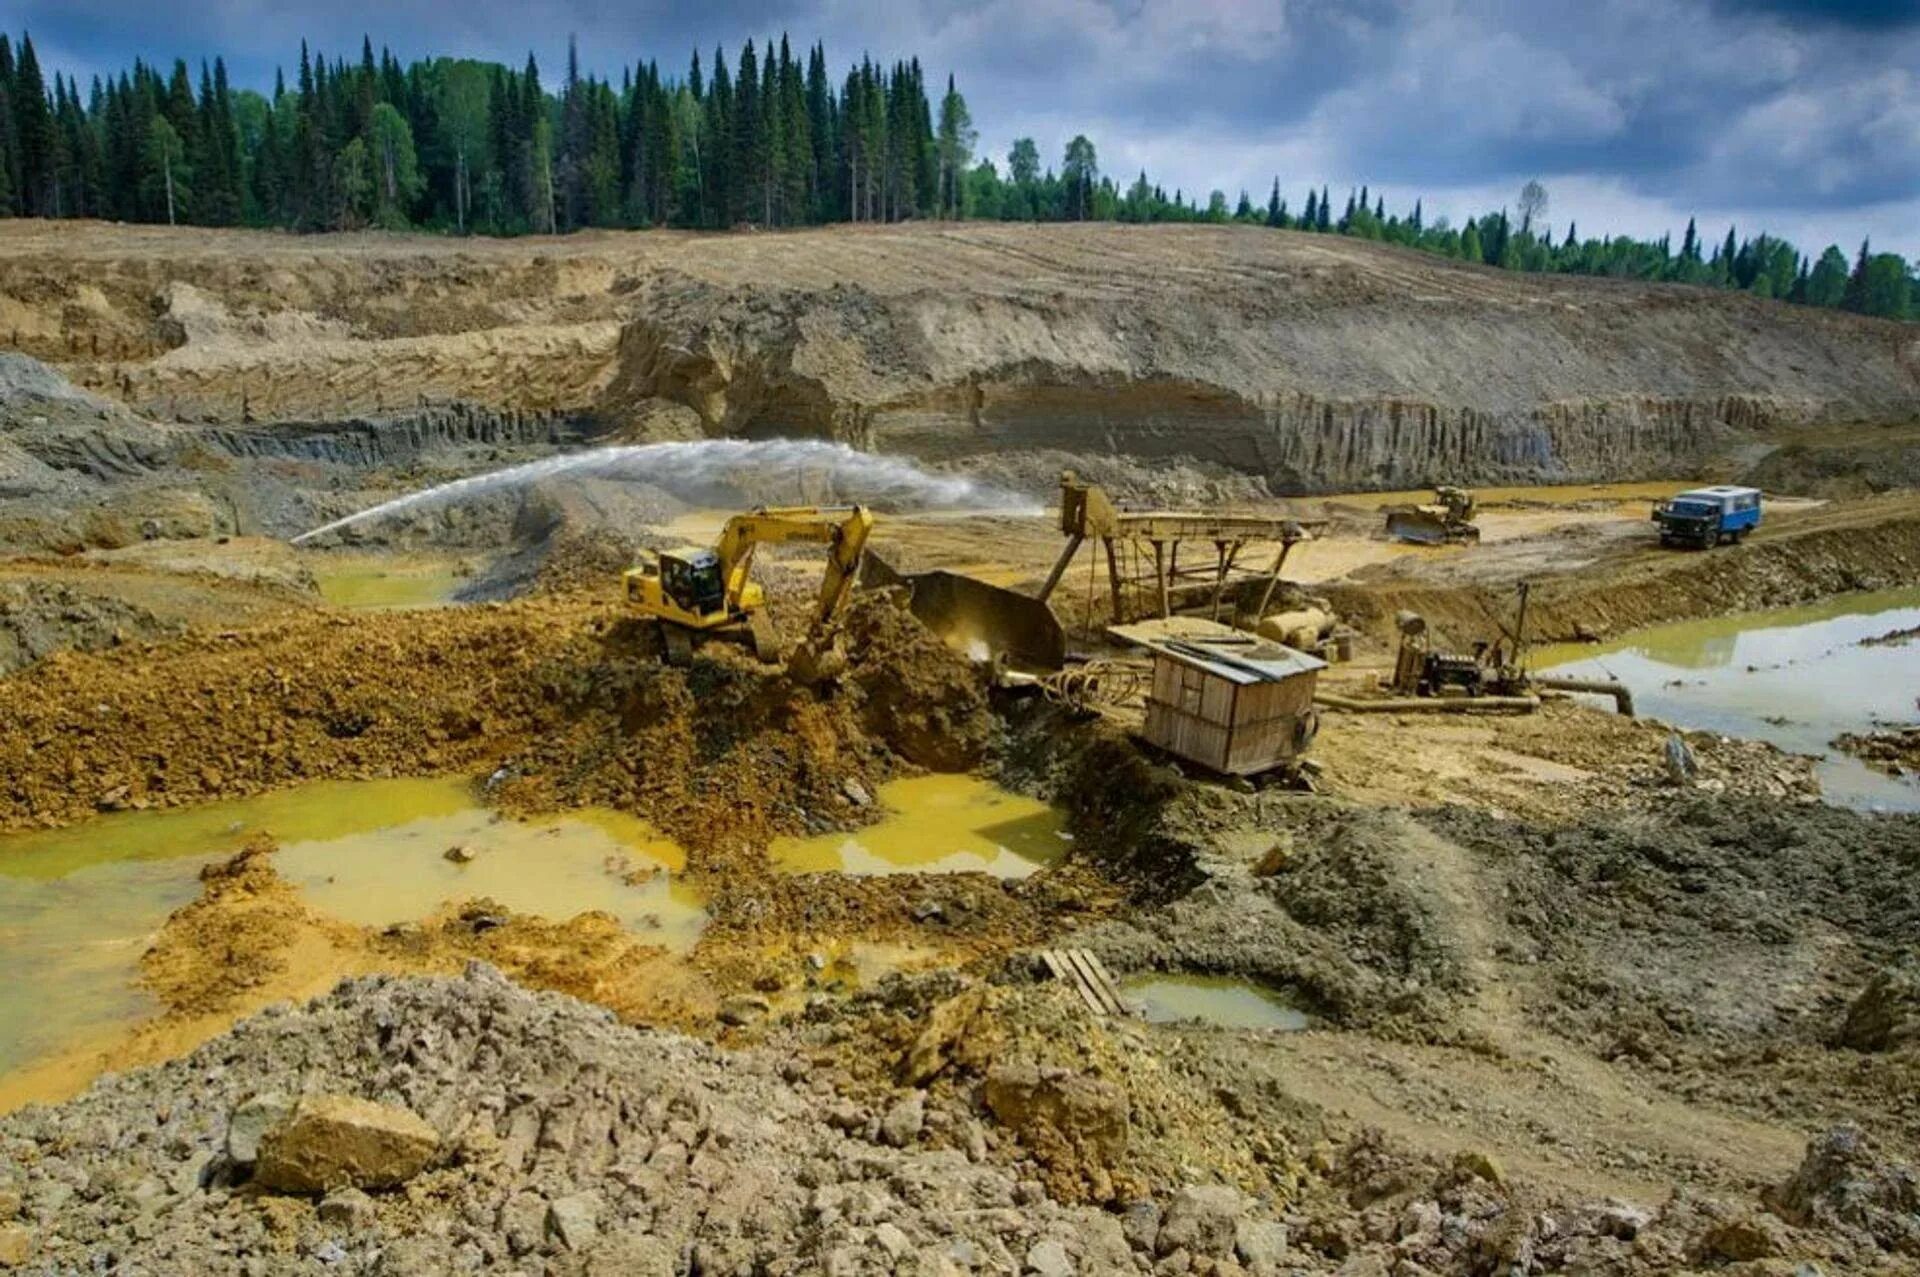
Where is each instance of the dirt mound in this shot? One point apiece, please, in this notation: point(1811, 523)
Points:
point(41, 617)
point(571, 1142)
point(237, 937)
point(1317, 363)
point(1852, 464)
point(1713, 918)
point(1340, 916)
point(568, 703)
point(1845, 1183)
point(1715, 945)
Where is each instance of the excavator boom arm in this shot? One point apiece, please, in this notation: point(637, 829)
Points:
point(843, 529)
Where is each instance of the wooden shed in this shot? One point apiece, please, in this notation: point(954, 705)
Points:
point(1239, 709)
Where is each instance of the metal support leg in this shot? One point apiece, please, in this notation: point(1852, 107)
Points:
point(1060, 565)
point(1220, 576)
point(1273, 578)
point(1160, 575)
point(1113, 579)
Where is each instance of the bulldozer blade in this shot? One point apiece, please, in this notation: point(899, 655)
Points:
point(986, 621)
point(1416, 526)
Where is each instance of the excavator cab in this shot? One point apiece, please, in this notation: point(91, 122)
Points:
point(696, 592)
point(691, 578)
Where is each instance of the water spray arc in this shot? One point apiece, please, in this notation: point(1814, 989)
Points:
point(684, 468)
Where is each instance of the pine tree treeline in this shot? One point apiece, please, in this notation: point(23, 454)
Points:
point(470, 147)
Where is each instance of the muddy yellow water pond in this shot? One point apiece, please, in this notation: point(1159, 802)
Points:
point(79, 905)
point(938, 824)
point(1223, 1000)
point(382, 582)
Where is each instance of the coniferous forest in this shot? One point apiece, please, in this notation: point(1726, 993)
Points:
point(772, 140)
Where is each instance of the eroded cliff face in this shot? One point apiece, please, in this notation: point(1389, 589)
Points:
point(1314, 362)
point(1492, 398)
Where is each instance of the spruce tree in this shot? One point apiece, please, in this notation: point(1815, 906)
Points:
point(1855, 296)
point(33, 131)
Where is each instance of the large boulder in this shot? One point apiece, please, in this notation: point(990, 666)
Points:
point(339, 1141)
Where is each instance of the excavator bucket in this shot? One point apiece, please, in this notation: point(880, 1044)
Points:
point(986, 621)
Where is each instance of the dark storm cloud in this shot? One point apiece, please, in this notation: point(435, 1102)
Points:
point(1865, 14)
point(1776, 110)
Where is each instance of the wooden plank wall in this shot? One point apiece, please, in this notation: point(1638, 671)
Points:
point(1230, 727)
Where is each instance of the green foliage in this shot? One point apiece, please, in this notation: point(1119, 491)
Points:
point(397, 180)
point(166, 179)
point(470, 147)
point(352, 186)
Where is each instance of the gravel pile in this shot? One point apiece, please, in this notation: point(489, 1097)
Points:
point(567, 1143)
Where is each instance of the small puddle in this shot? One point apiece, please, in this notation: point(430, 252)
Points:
point(374, 583)
point(938, 824)
point(1796, 677)
point(78, 906)
point(1227, 1001)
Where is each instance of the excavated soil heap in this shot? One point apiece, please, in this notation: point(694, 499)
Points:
point(565, 702)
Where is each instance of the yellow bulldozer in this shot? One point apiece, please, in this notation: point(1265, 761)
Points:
point(1446, 520)
point(699, 592)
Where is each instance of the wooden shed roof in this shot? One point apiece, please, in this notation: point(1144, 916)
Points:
point(1257, 662)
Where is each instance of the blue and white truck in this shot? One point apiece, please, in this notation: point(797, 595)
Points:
point(1706, 517)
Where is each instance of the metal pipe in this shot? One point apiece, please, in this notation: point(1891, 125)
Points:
point(1621, 693)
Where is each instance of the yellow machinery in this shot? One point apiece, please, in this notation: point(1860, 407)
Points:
point(1446, 520)
point(696, 592)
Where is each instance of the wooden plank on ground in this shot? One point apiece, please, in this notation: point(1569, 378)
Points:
point(1063, 969)
point(1107, 982)
point(1104, 995)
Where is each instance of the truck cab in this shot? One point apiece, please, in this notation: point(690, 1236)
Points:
point(1705, 517)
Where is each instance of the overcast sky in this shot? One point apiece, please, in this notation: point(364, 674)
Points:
point(1798, 117)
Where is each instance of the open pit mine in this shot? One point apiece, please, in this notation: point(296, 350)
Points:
point(948, 749)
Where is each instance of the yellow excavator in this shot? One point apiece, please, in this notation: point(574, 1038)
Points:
point(698, 592)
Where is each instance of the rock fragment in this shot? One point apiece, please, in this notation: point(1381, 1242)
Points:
point(1049, 1259)
point(1202, 1219)
point(904, 1121)
point(347, 1208)
point(250, 1120)
point(340, 1141)
point(16, 1245)
point(574, 1220)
